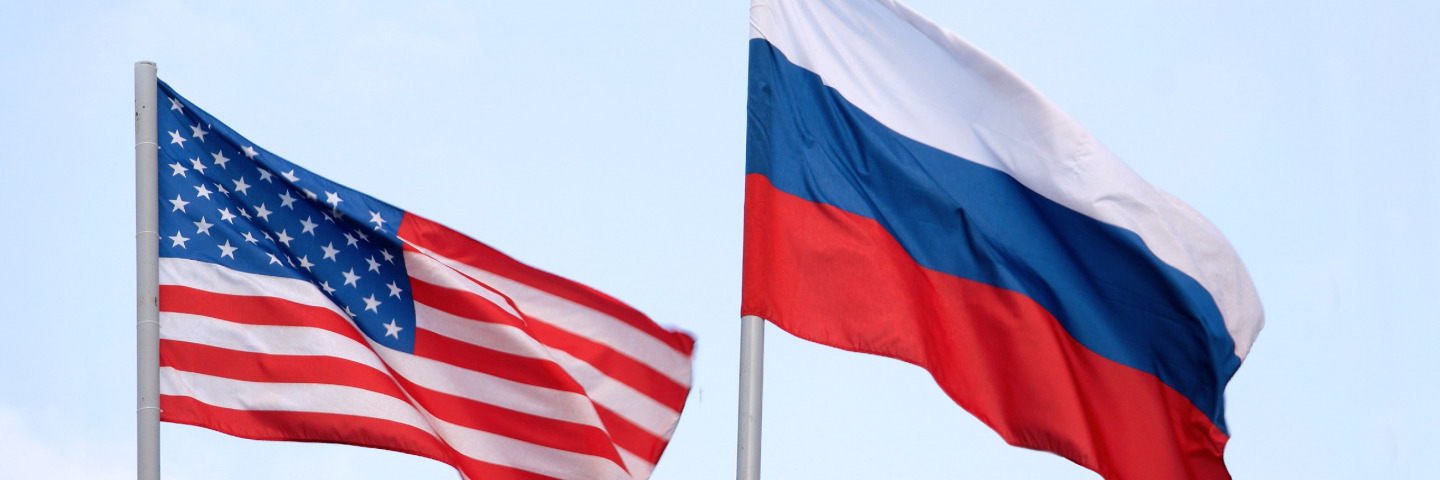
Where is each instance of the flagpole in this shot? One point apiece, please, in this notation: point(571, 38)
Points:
point(147, 273)
point(752, 369)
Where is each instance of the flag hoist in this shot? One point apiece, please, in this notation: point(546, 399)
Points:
point(147, 274)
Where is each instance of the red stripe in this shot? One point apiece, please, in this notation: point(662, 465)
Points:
point(631, 437)
point(257, 367)
point(521, 426)
point(467, 305)
point(839, 279)
point(526, 370)
point(457, 246)
point(461, 303)
point(614, 364)
point(469, 356)
point(254, 310)
point(260, 367)
point(331, 428)
point(408, 248)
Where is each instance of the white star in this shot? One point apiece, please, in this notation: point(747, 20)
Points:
point(348, 312)
point(241, 187)
point(249, 151)
point(290, 175)
point(197, 132)
point(226, 216)
point(350, 278)
point(388, 257)
point(266, 176)
point(371, 303)
point(374, 265)
point(309, 194)
point(179, 240)
point(307, 226)
point(285, 239)
point(179, 169)
point(262, 212)
point(363, 236)
point(243, 213)
point(201, 191)
point(277, 261)
point(351, 240)
point(327, 287)
point(179, 204)
point(176, 138)
point(305, 262)
point(286, 200)
point(328, 218)
point(226, 250)
point(219, 159)
point(174, 105)
point(391, 329)
point(379, 222)
point(290, 260)
point(333, 199)
point(264, 233)
point(204, 226)
point(330, 252)
point(250, 238)
point(221, 189)
point(199, 167)
point(394, 289)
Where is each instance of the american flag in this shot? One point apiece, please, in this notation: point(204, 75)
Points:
point(294, 308)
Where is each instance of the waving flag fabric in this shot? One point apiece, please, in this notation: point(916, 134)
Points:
point(909, 196)
point(294, 308)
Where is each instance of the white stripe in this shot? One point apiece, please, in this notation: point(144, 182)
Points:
point(431, 374)
point(215, 278)
point(583, 321)
point(620, 398)
point(343, 400)
point(638, 467)
point(424, 372)
point(501, 450)
point(520, 454)
point(494, 336)
point(289, 397)
point(266, 339)
point(930, 85)
point(338, 399)
point(625, 401)
point(481, 387)
point(431, 271)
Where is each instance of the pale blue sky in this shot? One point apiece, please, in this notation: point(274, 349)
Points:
point(604, 141)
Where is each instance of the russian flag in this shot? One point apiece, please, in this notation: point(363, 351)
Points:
point(909, 196)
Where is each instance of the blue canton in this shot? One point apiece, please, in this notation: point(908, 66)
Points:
point(226, 201)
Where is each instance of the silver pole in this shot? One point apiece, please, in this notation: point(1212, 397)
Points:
point(147, 272)
point(752, 369)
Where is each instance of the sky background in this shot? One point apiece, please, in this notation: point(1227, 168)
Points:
point(604, 141)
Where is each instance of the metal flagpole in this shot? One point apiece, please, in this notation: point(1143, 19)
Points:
point(752, 369)
point(147, 272)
